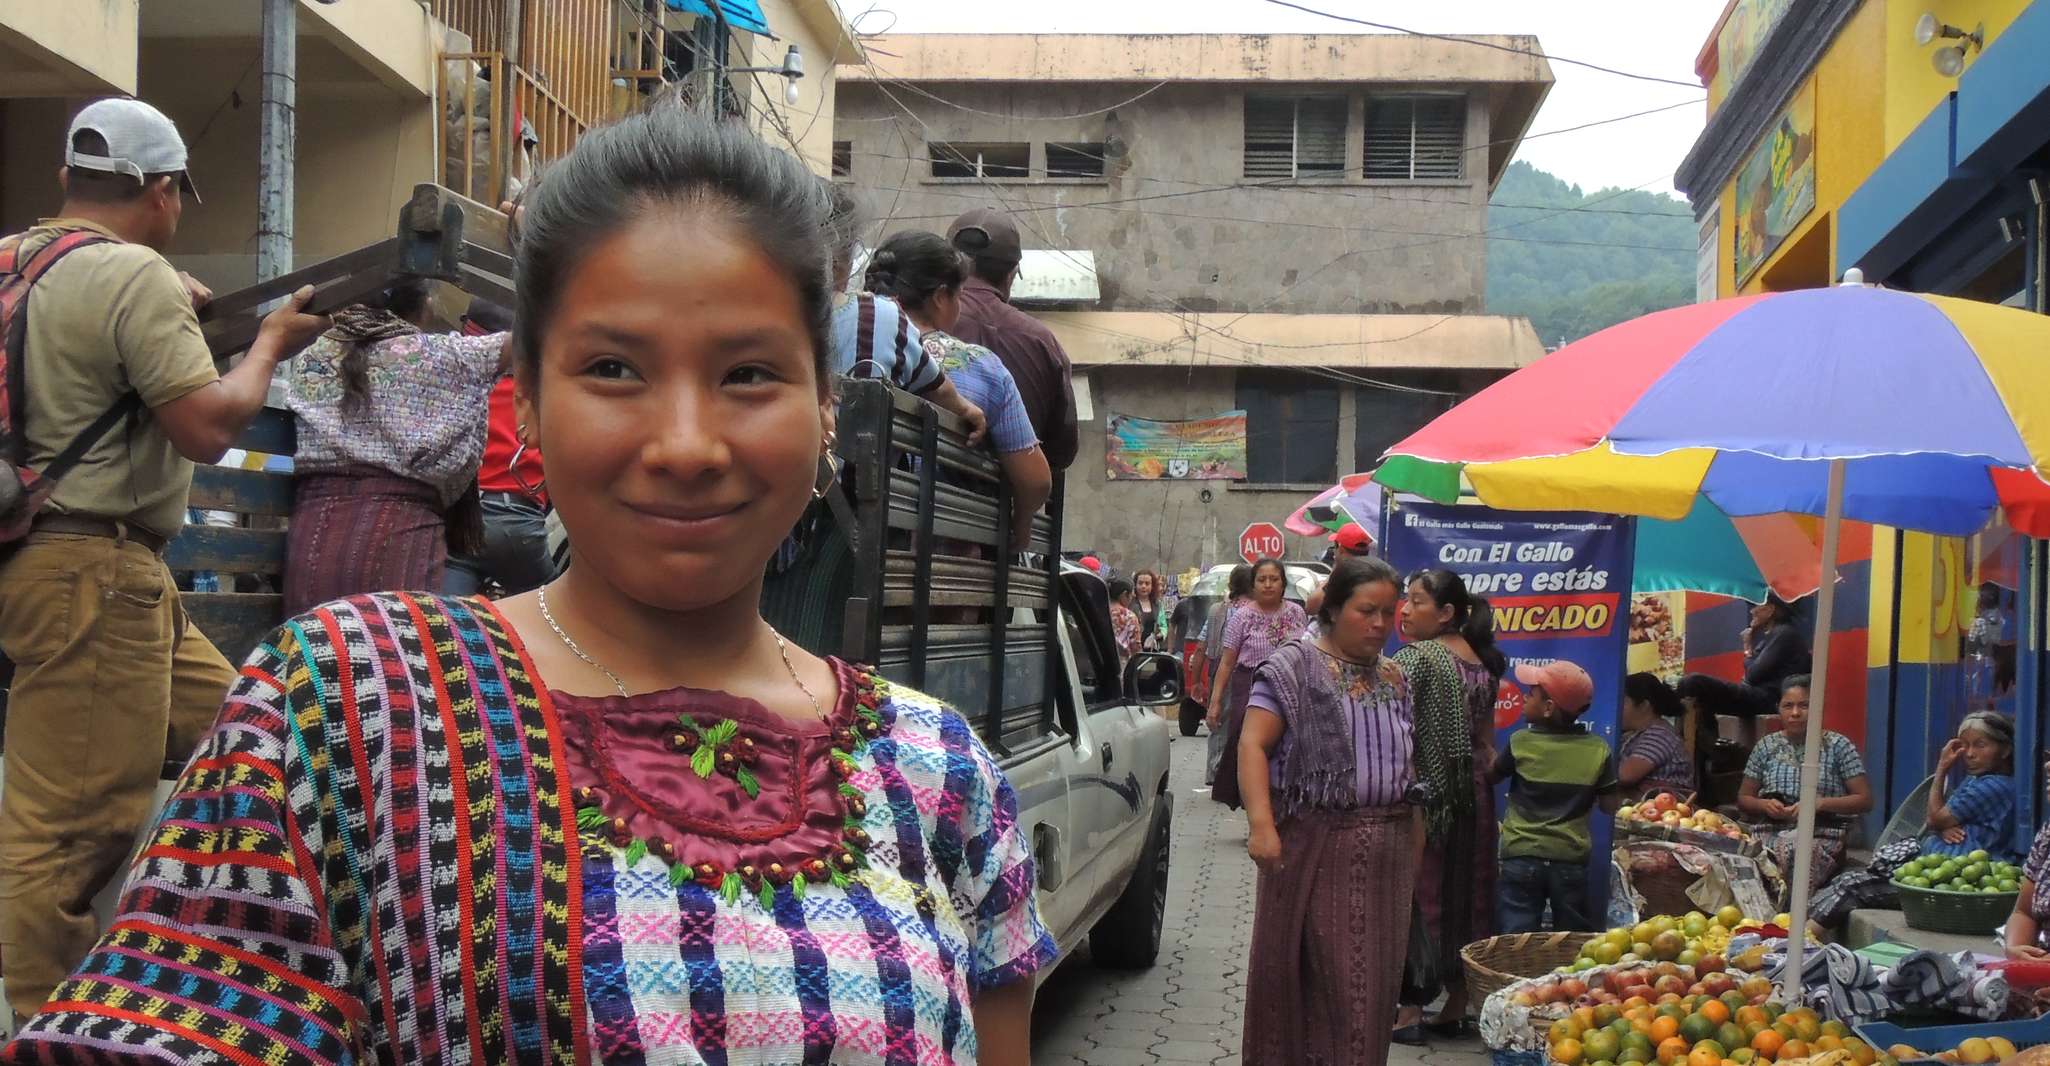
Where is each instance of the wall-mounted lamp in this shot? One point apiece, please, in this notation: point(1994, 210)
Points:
point(1949, 60)
point(791, 70)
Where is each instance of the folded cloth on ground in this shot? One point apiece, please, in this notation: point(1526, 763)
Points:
point(1951, 982)
point(1839, 983)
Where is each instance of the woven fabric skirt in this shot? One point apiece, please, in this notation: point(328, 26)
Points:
point(1456, 884)
point(1329, 932)
point(1225, 788)
point(354, 533)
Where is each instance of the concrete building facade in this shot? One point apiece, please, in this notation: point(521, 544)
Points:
point(1288, 226)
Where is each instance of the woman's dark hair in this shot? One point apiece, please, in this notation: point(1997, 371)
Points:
point(1471, 615)
point(913, 265)
point(667, 157)
point(1795, 681)
point(1119, 589)
point(1783, 612)
point(1346, 579)
point(1240, 584)
point(1647, 688)
point(406, 298)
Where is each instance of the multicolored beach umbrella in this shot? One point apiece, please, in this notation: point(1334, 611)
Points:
point(1921, 412)
point(1938, 407)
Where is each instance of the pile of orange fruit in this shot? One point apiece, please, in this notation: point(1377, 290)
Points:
point(1701, 1031)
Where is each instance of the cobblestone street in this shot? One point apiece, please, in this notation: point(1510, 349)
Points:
point(1188, 1008)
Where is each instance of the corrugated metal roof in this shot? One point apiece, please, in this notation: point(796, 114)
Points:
point(1049, 275)
point(740, 14)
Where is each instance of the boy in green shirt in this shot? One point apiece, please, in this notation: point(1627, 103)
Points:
point(1557, 771)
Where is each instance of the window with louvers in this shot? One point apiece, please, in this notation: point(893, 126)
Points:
point(1416, 138)
point(1295, 138)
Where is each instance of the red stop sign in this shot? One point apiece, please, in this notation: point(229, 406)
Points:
point(1261, 540)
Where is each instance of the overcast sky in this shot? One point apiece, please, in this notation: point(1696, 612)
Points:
point(1659, 39)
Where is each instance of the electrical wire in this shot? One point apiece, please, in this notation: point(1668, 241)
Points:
point(1485, 44)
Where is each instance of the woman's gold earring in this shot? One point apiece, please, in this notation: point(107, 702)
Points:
point(829, 469)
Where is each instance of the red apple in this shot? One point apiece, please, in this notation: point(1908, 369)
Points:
point(1670, 985)
point(1573, 987)
point(1645, 992)
point(1711, 964)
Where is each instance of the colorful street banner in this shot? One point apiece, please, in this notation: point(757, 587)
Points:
point(1776, 185)
point(1200, 449)
point(1558, 583)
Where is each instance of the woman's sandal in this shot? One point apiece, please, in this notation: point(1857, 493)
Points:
point(1411, 1035)
point(1459, 1028)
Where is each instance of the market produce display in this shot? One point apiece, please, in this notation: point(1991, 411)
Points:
point(1688, 940)
point(1974, 872)
point(1727, 1028)
point(1970, 1052)
point(1670, 811)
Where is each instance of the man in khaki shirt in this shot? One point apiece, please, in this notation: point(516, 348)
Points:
point(110, 676)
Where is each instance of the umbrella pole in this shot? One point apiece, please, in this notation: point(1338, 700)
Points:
point(1811, 752)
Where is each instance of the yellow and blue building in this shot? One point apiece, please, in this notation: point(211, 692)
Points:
point(1909, 139)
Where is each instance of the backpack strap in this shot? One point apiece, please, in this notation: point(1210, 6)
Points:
point(39, 263)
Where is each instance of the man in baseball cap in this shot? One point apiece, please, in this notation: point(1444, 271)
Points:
point(93, 716)
point(1557, 772)
point(119, 147)
point(1352, 540)
point(1027, 348)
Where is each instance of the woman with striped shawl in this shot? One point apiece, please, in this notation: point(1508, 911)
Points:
point(1454, 670)
point(1324, 769)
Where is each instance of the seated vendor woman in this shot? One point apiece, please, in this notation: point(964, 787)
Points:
point(1653, 758)
point(1978, 814)
point(2025, 927)
point(1772, 787)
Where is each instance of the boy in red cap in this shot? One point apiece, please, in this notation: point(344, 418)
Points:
point(1557, 771)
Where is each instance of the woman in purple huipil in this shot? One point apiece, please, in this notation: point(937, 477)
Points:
point(1253, 633)
point(1325, 766)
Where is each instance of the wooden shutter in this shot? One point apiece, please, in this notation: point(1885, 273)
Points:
point(1270, 138)
point(1440, 152)
point(1416, 138)
point(1320, 137)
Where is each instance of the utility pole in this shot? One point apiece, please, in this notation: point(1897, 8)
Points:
point(505, 122)
point(278, 138)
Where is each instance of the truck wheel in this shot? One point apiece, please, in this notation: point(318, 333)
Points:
point(1192, 717)
point(1128, 936)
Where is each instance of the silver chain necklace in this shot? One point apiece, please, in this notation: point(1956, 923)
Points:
point(782, 648)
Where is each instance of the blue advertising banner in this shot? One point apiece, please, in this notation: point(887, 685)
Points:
point(1558, 583)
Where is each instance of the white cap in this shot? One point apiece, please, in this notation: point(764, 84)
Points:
point(141, 141)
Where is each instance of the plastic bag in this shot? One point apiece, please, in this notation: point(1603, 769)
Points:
point(1421, 981)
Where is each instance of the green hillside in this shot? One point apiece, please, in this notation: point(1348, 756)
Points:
point(1577, 262)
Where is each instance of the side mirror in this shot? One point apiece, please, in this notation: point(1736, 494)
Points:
point(1154, 679)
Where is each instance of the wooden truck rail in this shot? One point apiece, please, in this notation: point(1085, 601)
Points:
point(939, 599)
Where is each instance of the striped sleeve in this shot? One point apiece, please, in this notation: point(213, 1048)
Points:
point(993, 888)
point(897, 346)
point(1984, 802)
point(222, 950)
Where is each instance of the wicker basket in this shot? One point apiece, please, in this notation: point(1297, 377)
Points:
point(1965, 913)
point(1500, 961)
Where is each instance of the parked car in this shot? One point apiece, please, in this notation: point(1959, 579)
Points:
point(1205, 594)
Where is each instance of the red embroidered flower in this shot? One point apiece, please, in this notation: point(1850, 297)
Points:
point(709, 875)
